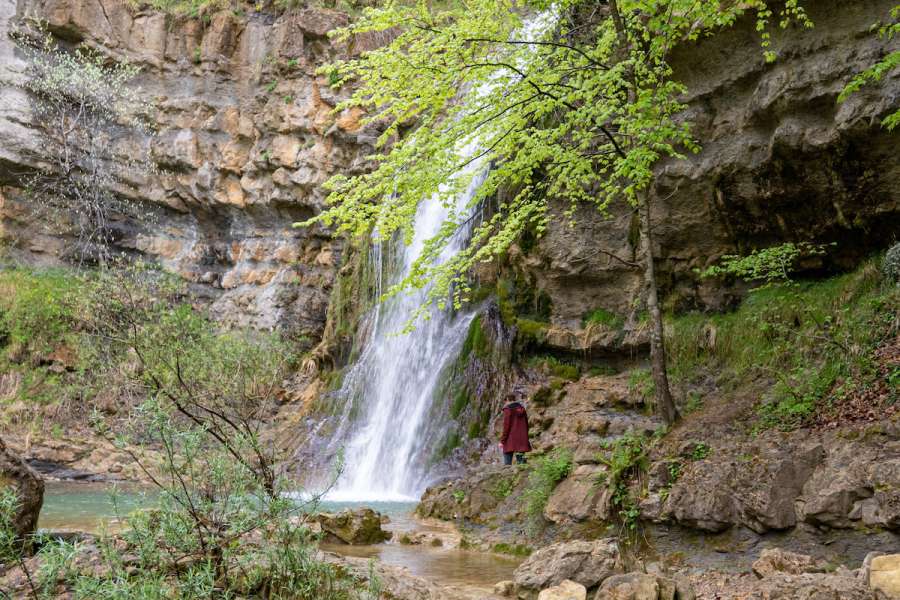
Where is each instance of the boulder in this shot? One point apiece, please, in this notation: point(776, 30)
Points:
point(776, 560)
point(585, 562)
point(811, 586)
point(578, 498)
point(472, 497)
point(630, 586)
point(645, 586)
point(355, 527)
point(505, 589)
point(567, 590)
point(884, 575)
point(28, 487)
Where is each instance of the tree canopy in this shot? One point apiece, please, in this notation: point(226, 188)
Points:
point(571, 100)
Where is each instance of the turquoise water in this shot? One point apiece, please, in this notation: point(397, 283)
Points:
point(89, 506)
point(93, 507)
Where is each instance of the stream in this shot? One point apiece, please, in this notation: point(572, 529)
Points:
point(92, 507)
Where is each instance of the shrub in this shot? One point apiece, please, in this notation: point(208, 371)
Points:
point(640, 384)
point(814, 340)
point(890, 266)
point(768, 266)
point(86, 104)
point(624, 458)
point(225, 525)
point(36, 308)
point(545, 473)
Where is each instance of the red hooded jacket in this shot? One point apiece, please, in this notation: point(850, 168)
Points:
point(515, 428)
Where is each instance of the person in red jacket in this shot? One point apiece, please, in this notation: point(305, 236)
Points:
point(514, 440)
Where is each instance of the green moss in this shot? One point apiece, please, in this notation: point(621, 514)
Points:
point(451, 442)
point(814, 340)
point(460, 402)
point(601, 316)
point(534, 331)
point(476, 342)
point(511, 549)
point(555, 367)
point(519, 298)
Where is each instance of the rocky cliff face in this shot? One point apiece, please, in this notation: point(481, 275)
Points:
point(781, 161)
point(245, 136)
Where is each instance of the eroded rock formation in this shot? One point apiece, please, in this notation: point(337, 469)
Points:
point(781, 160)
point(245, 135)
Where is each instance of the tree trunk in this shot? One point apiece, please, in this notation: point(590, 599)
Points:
point(665, 405)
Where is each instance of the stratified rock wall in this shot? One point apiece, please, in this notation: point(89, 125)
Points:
point(781, 160)
point(246, 136)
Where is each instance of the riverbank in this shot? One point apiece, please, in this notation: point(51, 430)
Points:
point(422, 548)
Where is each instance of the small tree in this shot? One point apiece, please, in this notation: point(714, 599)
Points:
point(876, 72)
point(576, 104)
point(95, 149)
point(226, 523)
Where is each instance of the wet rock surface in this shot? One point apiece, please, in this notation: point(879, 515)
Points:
point(355, 527)
point(28, 487)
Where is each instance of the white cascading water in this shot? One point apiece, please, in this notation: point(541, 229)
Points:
point(394, 382)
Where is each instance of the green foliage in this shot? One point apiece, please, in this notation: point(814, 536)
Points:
point(36, 308)
point(505, 486)
point(693, 403)
point(624, 458)
point(573, 106)
point(545, 472)
point(768, 266)
point(640, 384)
point(245, 541)
point(883, 67)
point(814, 340)
point(602, 370)
point(191, 8)
point(601, 316)
point(701, 450)
point(10, 545)
point(555, 367)
point(197, 436)
point(459, 496)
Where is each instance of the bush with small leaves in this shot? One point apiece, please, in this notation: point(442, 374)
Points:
point(890, 267)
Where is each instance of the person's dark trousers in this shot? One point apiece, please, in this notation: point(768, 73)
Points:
point(508, 458)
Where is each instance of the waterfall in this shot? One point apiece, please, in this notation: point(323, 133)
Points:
point(394, 382)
